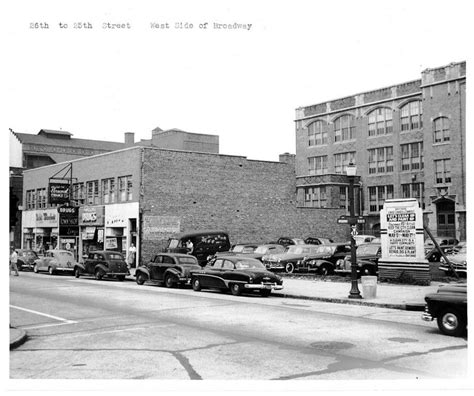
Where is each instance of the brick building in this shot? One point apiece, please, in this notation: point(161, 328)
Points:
point(29, 151)
point(145, 195)
point(407, 141)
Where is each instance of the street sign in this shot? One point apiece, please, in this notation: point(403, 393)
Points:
point(360, 220)
point(343, 220)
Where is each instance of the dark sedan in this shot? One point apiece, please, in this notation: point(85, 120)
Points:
point(170, 269)
point(26, 259)
point(237, 274)
point(103, 263)
point(324, 259)
point(368, 255)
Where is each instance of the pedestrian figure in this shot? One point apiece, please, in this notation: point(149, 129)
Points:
point(132, 251)
point(189, 246)
point(13, 262)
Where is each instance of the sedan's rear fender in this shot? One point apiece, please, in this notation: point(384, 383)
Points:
point(142, 270)
point(81, 267)
point(174, 272)
point(102, 267)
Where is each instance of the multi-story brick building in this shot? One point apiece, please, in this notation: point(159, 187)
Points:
point(29, 151)
point(407, 141)
point(145, 195)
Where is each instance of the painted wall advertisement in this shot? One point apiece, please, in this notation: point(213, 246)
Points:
point(401, 232)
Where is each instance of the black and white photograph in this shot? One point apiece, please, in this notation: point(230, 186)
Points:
point(253, 197)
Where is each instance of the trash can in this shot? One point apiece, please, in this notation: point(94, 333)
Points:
point(369, 286)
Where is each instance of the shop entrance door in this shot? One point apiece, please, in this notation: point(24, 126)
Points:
point(446, 218)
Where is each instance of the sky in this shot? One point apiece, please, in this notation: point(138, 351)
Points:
point(243, 85)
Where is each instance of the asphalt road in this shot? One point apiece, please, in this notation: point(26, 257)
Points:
point(88, 329)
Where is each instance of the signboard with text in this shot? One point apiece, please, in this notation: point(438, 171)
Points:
point(58, 193)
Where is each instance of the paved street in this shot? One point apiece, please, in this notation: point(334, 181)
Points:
point(88, 329)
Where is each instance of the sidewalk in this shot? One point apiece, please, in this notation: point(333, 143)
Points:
point(392, 296)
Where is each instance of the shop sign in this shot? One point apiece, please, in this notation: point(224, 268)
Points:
point(47, 218)
point(91, 215)
point(68, 216)
point(58, 193)
point(401, 232)
point(111, 243)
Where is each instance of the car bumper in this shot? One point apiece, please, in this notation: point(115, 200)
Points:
point(118, 273)
point(263, 286)
point(64, 269)
point(274, 266)
point(447, 268)
point(426, 316)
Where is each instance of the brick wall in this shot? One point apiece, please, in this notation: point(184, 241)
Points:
point(251, 200)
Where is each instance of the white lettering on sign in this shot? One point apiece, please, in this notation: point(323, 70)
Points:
point(401, 232)
point(89, 217)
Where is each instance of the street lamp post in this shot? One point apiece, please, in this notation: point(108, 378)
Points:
point(351, 172)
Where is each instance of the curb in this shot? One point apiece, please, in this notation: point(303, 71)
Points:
point(19, 338)
point(403, 307)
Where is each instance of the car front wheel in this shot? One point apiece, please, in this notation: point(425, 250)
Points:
point(51, 270)
point(121, 278)
point(236, 289)
point(141, 278)
point(451, 322)
point(169, 281)
point(196, 284)
point(265, 292)
point(325, 270)
point(99, 274)
point(77, 272)
point(35, 269)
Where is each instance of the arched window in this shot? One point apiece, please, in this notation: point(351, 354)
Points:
point(411, 116)
point(344, 128)
point(380, 121)
point(441, 130)
point(317, 133)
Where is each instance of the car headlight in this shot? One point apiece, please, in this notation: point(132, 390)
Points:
point(340, 263)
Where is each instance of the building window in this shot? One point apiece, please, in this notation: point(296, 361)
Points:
point(414, 190)
point(41, 198)
point(315, 197)
point(317, 133)
point(342, 160)
point(412, 156)
point(380, 160)
point(380, 122)
point(93, 192)
point(318, 165)
point(443, 171)
point(30, 199)
point(411, 116)
point(78, 194)
point(108, 190)
point(125, 188)
point(343, 197)
point(378, 195)
point(344, 128)
point(441, 130)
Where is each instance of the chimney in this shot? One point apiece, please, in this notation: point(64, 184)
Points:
point(287, 158)
point(129, 139)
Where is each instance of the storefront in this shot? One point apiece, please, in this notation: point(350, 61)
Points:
point(121, 228)
point(91, 229)
point(69, 229)
point(40, 229)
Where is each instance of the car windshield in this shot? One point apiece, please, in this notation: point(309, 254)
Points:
point(246, 264)
point(173, 243)
point(115, 256)
point(187, 260)
point(243, 249)
point(65, 254)
point(367, 249)
point(295, 249)
point(324, 249)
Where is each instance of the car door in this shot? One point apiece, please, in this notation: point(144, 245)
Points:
point(44, 263)
point(167, 262)
point(90, 263)
point(155, 267)
point(227, 273)
point(212, 276)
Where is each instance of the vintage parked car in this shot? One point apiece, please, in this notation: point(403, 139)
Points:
point(443, 242)
point(290, 259)
point(457, 257)
point(26, 259)
point(360, 239)
point(367, 255)
point(237, 273)
point(170, 269)
point(449, 307)
point(103, 263)
point(285, 241)
point(244, 248)
point(317, 241)
point(325, 258)
point(263, 250)
point(55, 260)
point(204, 244)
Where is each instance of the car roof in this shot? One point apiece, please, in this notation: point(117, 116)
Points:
point(235, 258)
point(173, 254)
point(198, 232)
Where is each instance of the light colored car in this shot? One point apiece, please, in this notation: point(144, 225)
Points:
point(360, 239)
point(289, 259)
point(457, 258)
point(54, 261)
